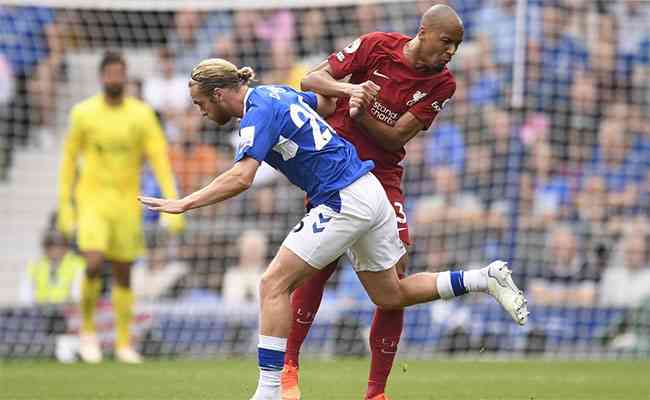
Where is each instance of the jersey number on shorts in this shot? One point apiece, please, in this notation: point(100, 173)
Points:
point(303, 113)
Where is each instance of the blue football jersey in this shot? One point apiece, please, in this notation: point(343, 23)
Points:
point(281, 127)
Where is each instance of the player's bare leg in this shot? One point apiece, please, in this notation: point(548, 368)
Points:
point(388, 291)
point(305, 302)
point(286, 272)
point(89, 348)
point(122, 299)
point(385, 333)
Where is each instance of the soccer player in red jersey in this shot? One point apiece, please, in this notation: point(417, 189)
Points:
point(400, 84)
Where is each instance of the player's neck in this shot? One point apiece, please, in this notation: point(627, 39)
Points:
point(113, 101)
point(238, 101)
point(410, 50)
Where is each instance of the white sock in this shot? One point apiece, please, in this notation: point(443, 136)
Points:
point(270, 352)
point(476, 280)
point(456, 283)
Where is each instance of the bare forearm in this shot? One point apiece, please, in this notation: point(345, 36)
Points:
point(221, 188)
point(386, 136)
point(323, 83)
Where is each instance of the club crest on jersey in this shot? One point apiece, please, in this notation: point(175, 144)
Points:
point(352, 47)
point(439, 107)
point(246, 138)
point(417, 96)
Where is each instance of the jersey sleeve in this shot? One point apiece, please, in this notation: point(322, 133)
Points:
point(354, 57)
point(310, 98)
point(428, 108)
point(155, 147)
point(258, 134)
point(71, 148)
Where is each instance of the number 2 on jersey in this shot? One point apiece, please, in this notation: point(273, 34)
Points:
point(303, 113)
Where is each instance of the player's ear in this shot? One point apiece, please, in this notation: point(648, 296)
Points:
point(217, 93)
point(421, 32)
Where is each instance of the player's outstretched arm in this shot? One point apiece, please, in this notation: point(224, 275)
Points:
point(229, 184)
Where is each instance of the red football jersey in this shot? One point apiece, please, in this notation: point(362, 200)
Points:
point(379, 57)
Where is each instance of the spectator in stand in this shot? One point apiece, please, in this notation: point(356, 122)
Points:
point(484, 84)
point(575, 146)
point(370, 17)
point(157, 275)
point(550, 193)
point(558, 57)
point(451, 215)
point(56, 277)
point(30, 40)
point(167, 93)
point(634, 16)
point(193, 161)
point(496, 32)
point(241, 281)
point(626, 281)
point(284, 68)
point(7, 91)
point(243, 42)
point(193, 37)
point(445, 146)
point(506, 161)
point(313, 44)
point(7, 83)
point(621, 168)
point(563, 277)
point(594, 222)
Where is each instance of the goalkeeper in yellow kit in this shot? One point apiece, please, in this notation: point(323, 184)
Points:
point(112, 135)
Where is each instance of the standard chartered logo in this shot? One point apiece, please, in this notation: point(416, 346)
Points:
point(383, 113)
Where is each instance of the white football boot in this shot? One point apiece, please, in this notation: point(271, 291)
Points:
point(89, 349)
point(267, 393)
point(503, 289)
point(127, 355)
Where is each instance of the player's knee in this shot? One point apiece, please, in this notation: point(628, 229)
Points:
point(388, 302)
point(400, 267)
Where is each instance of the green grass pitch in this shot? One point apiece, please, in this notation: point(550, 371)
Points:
point(336, 379)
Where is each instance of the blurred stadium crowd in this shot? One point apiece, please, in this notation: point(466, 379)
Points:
point(559, 185)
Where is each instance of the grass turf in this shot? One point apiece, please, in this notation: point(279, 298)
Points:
point(337, 379)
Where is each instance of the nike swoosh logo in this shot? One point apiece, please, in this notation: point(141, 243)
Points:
point(301, 322)
point(401, 229)
point(388, 352)
point(376, 72)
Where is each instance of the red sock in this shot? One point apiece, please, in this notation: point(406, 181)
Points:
point(385, 333)
point(305, 301)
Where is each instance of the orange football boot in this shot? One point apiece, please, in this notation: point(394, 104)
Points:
point(289, 382)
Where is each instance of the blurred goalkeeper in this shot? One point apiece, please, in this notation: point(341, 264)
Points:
point(112, 134)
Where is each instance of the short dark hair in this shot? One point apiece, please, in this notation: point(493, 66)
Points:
point(52, 237)
point(111, 57)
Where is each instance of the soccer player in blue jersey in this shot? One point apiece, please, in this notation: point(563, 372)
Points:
point(348, 208)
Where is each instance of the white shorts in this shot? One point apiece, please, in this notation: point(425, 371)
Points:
point(365, 228)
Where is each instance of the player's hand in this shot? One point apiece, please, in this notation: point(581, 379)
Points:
point(66, 220)
point(362, 96)
point(163, 205)
point(366, 92)
point(356, 106)
point(174, 223)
